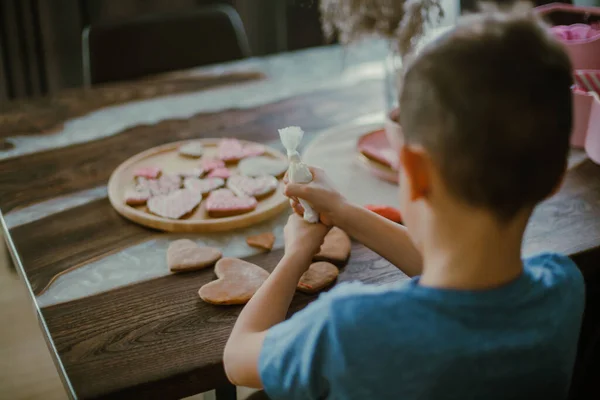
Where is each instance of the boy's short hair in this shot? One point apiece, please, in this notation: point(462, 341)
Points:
point(491, 102)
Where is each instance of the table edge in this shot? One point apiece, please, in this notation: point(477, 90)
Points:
point(41, 321)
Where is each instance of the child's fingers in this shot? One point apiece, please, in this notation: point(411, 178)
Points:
point(297, 207)
point(296, 190)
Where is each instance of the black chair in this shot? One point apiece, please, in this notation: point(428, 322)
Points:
point(154, 44)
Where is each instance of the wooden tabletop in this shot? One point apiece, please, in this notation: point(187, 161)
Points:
point(154, 338)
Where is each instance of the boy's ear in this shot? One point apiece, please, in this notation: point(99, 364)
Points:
point(415, 164)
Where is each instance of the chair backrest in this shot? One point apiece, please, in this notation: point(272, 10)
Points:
point(154, 44)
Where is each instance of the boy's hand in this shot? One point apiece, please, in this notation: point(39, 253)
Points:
point(321, 195)
point(303, 238)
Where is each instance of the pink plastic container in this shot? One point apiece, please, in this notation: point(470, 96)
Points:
point(584, 53)
point(582, 107)
point(592, 139)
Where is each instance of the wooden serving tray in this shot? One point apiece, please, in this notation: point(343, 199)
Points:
point(167, 157)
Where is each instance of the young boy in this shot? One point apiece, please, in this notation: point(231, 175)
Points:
point(486, 116)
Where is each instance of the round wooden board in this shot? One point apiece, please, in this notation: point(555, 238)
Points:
point(167, 157)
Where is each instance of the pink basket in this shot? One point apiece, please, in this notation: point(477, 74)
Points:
point(584, 53)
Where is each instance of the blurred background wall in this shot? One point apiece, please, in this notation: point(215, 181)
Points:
point(40, 40)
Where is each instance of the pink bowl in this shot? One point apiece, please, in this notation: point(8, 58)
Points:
point(592, 139)
point(584, 53)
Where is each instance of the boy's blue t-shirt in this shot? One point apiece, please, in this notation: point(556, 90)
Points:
point(412, 342)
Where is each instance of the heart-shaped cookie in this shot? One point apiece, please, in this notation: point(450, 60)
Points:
point(253, 150)
point(263, 241)
point(318, 276)
point(184, 255)
point(230, 150)
point(237, 283)
point(192, 149)
point(336, 247)
point(137, 197)
point(208, 164)
point(224, 203)
point(176, 204)
point(256, 187)
point(257, 166)
point(222, 173)
point(203, 185)
point(166, 184)
point(147, 172)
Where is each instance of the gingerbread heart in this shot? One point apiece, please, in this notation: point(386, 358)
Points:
point(230, 150)
point(257, 166)
point(192, 149)
point(318, 276)
point(264, 241)
point(203, 185)
point(256, 187)
point(147, 172)
point(208, 164)
point(237, 283)
point(222, 173)
point(224, 203)
point(336, 247)
point(176, 204)
point(184, 255)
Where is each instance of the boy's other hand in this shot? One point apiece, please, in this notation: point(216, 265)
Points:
point(303, 238)
point(321, 195)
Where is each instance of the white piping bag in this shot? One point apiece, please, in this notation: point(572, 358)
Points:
point(298, 172)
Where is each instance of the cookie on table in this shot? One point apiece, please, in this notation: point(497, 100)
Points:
point(224, 203)
point(258, 187)
point(184, 255)
point(319, 276)
point(237, 282)
point(263, 241)
point(253, 150)
point(391, 213)
point(175, 205)
point(335, 248)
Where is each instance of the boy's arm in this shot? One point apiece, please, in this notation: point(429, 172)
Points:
point(386, 238)
point(267, 308)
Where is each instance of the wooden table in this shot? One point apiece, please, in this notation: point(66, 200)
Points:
point(154, 338)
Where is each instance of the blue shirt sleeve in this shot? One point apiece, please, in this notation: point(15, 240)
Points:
point(294, 354)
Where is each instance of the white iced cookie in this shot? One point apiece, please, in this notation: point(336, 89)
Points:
point(192, 149)
point(257, 166)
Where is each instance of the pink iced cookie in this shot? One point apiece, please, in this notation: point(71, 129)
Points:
point(164, 185)
point(136, 197)
point(175, 205)
point(254, 187)
point(147, 172)
point(222, 173)
point(203, 185)
point(224, 203)
point(230, 150)
point(208, 164)
point(253, 150)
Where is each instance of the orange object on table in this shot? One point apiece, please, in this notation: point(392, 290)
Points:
point(391, 213)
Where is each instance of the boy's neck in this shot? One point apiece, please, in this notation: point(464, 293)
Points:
point(471, 251)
